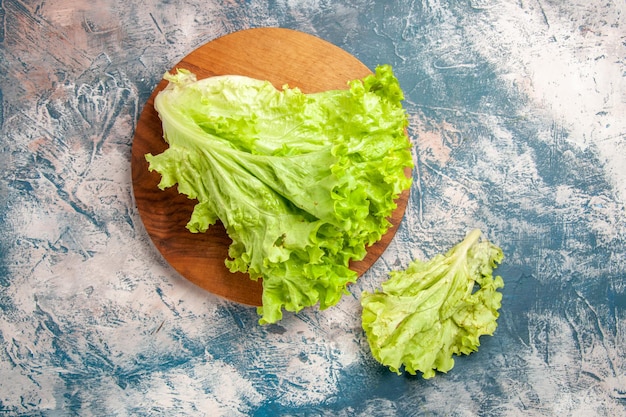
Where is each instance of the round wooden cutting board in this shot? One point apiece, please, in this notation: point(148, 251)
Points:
point(281, 56)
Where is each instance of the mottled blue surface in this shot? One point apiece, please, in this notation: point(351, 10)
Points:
point(517, 117)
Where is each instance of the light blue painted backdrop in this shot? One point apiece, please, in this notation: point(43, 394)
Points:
point(517, 120)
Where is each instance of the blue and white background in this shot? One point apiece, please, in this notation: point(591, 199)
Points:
point(518, 121)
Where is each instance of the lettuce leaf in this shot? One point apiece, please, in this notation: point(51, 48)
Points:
point(303, 183)
point(436, 309)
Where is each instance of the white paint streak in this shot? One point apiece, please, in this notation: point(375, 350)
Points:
point(570, 58)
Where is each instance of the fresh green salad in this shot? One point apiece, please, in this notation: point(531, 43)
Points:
point(436, 309)
point(303, 183)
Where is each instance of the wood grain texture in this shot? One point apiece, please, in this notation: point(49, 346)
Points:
point(281, 56)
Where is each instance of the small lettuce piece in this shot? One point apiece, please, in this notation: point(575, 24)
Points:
point(435, 309)
point(303, 183)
